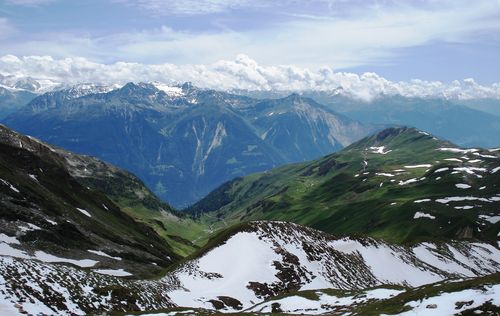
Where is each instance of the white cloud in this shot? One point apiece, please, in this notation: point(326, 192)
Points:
point(371, 35)
point(240, 73)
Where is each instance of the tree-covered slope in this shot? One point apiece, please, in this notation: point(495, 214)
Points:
point(400, 184)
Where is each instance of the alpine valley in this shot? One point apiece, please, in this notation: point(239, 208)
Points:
point(399, 222)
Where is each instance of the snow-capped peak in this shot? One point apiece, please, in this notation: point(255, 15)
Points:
point(170, 90)
point(84, 89)
point(39, 86)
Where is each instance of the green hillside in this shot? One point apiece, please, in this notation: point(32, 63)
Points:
point(392, 185)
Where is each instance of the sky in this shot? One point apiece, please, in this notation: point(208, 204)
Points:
point(401, 41)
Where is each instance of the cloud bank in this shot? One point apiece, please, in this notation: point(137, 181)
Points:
point(242, 73)
point(368, 32)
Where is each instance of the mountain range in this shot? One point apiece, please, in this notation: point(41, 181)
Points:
point(466, 122)
point(183, 141)
point(378, 229)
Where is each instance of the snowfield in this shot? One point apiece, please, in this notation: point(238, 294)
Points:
point(256, 263)
point(447, 303)
point(214, 273)
point(276, 256)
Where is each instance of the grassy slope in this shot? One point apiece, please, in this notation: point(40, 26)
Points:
point(333, 194)
point(181, 232)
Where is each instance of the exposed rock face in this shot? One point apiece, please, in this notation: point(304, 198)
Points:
point(183, 141)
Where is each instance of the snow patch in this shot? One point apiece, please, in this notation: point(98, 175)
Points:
point(384, 174)
point(441, 170)
point(84, 212)
point(413, 180)
point(171, 91)
point(13, 188)
point(46, 257)
point(423, 215)
point(118, 272)
point(458, 150)
point(465, 207)
point(485, 156)
point(460, 198)
point(26, 227)
point(8, 240)
point(379, 150)
point(51, 221)
point(454, 159)
point(325, 304)
point(492, 219)
point(418, 166)
point(103, 254)
point(247, 253)
point(422, 200)
point(470, 170)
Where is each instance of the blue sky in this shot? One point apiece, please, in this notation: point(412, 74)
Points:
point(399, 40)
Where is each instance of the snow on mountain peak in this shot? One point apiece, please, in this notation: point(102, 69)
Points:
point(84, 89)
point(171, 91)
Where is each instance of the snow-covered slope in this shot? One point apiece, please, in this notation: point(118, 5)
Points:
point(254, 263)
point(269, 258)
point(54, 289)
point(84, 89)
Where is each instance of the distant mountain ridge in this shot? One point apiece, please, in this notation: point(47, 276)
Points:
point(466, 122)
point(13, 100)
point(183, 141)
